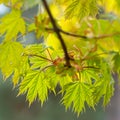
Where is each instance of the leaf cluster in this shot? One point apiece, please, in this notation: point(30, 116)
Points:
point(92, 45)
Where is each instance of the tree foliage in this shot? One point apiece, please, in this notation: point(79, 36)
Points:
point(79, 54)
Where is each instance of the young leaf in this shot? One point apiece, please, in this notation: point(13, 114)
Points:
point(104, 87)
point(10, 57)
point(116, 60)
point(88, 76)
point(17, 4)
point(35, 49)
point(77, 93)
point(81, 8)
point(35, 84)
point(12, 24)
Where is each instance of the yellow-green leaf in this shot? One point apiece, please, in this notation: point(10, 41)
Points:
point(10, 57)
point(17, 4)
point(36, 85)
point(12, 24)
point(77, 93)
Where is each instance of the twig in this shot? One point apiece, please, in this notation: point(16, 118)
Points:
point(77, 35)
point(38, 56)
point(49, 54)
point(58, 33)
point(83, 36)
point(43, 69)
point(72, 34)
point(68, 33)
point(84, 67)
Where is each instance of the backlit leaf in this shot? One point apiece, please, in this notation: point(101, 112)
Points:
point(35, 84)
point(10, 58)
point(77, 93)
point(12, 24)
point(17, 4)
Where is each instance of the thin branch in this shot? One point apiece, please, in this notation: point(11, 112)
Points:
point(77, 35)
point(43, 69)
point(34, 55)
point(49, 54)
point(68, 33)
point(83, 36)
point(72, 34)
point(57, 32)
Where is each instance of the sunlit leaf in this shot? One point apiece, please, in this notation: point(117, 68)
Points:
point(12, 24)
point(10, 58)
point(17, 4)
point(77, 93)
point(35, 84)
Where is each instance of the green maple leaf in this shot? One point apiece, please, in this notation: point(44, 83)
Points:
point(108, 83)
point(37, 55)
point(38, 62)
point(65, 80)
point(77, 93)
point(35, 84)
point(116, 60)
point(10, 58)
point(35, 49)
point(88, 76)
point(12, 24)
point(17, 4)
point(104, 87)
point(81, 8)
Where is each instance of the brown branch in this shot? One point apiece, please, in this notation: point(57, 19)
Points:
point(83, 36)
point(50, 55)
point(72, 34)
point(77, 35)
point(68, 33)
point(57, 32)
point(43, 69)
point(85, 67)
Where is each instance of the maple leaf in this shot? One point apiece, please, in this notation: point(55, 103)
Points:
point(36, 84)
point(17, 4)
point(88, 76)
point(104, 87)
point(35, 49)
point(77, 93)
point(21, 70)
point(37, 55)
point(116, 60)
point(12, 24)
point(10, 57)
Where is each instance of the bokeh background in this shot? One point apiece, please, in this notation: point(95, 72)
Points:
point(17, 108)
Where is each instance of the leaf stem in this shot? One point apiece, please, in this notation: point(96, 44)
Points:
point(43, 69)
point(49, 55)
point(38, 56)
